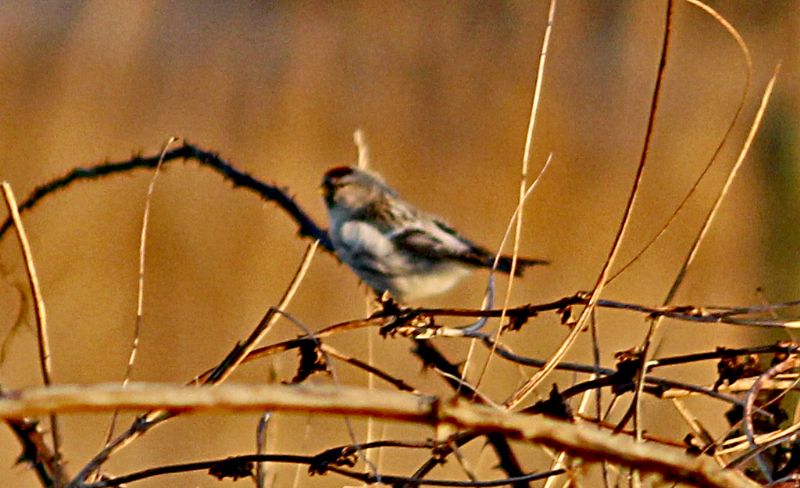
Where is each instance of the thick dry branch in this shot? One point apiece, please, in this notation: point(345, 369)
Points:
point(579, 440)
point(139, 396)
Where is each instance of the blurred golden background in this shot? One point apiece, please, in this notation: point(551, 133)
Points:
point(442, 91)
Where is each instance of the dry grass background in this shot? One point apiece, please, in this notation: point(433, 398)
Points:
point(442, 91)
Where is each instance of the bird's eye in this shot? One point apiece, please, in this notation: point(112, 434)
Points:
point(334, 183)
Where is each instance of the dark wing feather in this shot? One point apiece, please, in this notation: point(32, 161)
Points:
point(449, 245)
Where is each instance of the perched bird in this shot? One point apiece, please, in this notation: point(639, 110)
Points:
point(394, 247)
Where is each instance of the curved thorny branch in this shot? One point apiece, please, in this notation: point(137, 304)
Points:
point(306, 225)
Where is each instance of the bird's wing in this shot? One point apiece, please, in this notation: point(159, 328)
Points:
point(364, 247)
point(441, 242)
point(436, 240)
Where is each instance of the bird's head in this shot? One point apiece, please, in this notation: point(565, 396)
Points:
point(350, 189)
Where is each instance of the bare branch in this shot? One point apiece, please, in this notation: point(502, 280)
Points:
point(306, 226)
point(45, 363)
point(579, 440)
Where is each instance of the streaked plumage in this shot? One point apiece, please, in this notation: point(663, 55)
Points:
point(394, 247)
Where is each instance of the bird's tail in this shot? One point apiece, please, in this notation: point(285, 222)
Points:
point(504, 264)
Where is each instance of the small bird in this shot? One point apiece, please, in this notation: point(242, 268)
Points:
point(394, 247)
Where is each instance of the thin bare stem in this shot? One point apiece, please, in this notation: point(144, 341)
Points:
point(524, 190)
point(489, 295)
point(244, 461)
point(262, 436)
point(360, 141)
point(139, 321)
point(233, 361)
point(725, 189)
point(526, 155)
point(369, 368)
point(696, 185)
point(535, 380)
point(45, 362)
point(690, 256)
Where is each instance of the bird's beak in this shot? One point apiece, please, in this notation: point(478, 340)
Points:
point(325, 189)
